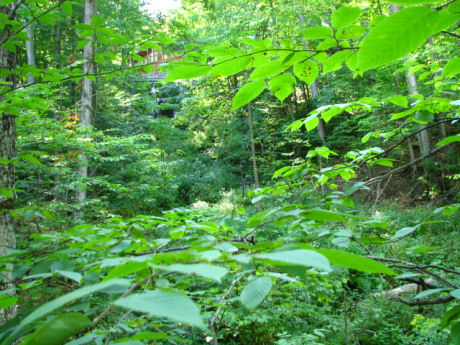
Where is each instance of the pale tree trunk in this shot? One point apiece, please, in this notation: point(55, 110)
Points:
point(423, 137)
point(87, 95)
point(314, 90)
point(253, 153)
point(320, 128)
point(30, 50)
point(7, 151)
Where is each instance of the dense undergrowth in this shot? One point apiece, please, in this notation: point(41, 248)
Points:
point(282, 187)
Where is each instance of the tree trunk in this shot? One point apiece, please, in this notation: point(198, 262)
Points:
point(314, 91)
point(58, 41)
point(320, 128)
point(30, 50)
point(253, 153)
point(87, 95)
point(423, 137)
point(7, 151)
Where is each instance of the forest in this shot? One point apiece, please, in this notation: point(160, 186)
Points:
point(258, 172)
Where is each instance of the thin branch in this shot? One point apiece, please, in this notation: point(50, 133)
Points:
point(451, 34)
point(34, 19)
point(444, 6)
point(448, 270)
point(219, 309)
point(405, 166)
point(127, 292)
point(439, 300)
point(362, 245)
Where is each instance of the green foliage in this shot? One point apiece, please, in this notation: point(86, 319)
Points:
point(144, 274)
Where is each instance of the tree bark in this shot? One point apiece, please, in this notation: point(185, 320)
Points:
point(30, 50)
point(7, 152)
point(253, 153)
point(87, 95)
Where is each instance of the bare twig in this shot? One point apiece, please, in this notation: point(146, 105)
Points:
point(221, 302)
point(127, 292)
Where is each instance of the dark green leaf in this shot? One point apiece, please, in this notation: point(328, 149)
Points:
point(59, 329)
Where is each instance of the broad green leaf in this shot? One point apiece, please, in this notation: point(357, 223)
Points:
point(317, 32)
point(97, 21)
point(396, 36)
point(126, 269)
point(59, 329)
point(326, 44)
point(455, 333)
point(311, 122)
point(386, 162)
point(454, 7)
point(404, 232)
point(429, 292)
point(424, 116)
point(268, 70)
point(302, 257)
point(204, 270)
point(451, 68)
point(254, 293)
point(188, 72)
point(351, 32)
point(324, 216)
point(30, 159)
point(334, 62)
point(353, 261)
point(399, 100)
point(231, 67)
point(257, 219)
point(282, 86)
point(7, 301)
point(455, 293)
point(449, 140)
point(79, 293)
point(247, 93)
point(449, 316)
point(307, 71)
point(345, 16)
point(168, 304)
point(75, 276)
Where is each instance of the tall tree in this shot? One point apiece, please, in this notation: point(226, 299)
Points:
point(7, 153)
point(88, 100)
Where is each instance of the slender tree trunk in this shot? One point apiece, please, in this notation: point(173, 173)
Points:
point(87, 95)
point(58, 41)
point(423, 137)
point(253, 153)
point(314, 91)
point(7, 151)
point(30, 50)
